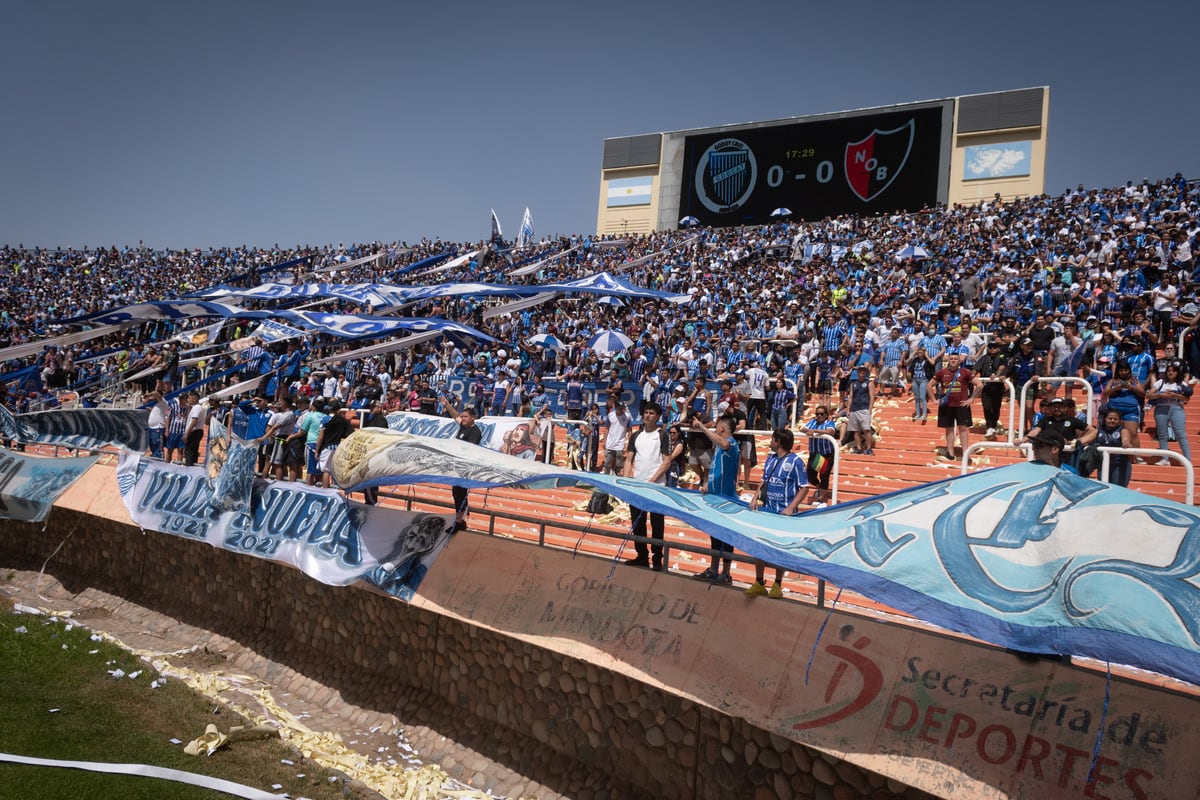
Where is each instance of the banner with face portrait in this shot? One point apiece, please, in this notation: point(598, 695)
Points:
point(513, 436)
point(319, 531)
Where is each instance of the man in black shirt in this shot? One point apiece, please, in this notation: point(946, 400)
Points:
point(467, 432)
point(376, 417)
point(426, 397)
point(992, 367)
point(1042, 336)
point(335, 429)
point(1069, 426)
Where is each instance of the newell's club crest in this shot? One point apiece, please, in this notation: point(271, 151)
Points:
point(725, 176)
point(874, 162)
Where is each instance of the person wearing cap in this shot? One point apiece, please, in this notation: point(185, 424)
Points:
point(1140, 361)
point(1024, 366)
point(1076, 431)
point(1047, 448)
point(992, 368)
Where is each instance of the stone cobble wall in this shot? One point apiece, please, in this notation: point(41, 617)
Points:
point(589, 731)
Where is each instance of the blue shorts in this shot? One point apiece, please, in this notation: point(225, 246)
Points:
point(174, 441)
point(1128, 413)
point(310, 460)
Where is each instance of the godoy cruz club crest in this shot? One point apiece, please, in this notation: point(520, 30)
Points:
point(725, 176)
point(874, 162)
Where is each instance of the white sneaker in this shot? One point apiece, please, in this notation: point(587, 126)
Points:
point(990, 432)
point(1163, 462)
point(818, 505)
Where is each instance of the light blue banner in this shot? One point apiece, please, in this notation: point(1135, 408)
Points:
point(328, 537)
point(83, 428)
point(1026, 556)
point(29, 485)
point(344, 325)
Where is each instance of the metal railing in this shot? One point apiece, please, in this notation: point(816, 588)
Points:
point(1052, 380)
point(541, 524)
point(1106, 453)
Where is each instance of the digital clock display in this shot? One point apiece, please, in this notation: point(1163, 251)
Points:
point(862, 165)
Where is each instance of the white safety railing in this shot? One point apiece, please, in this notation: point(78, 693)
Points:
point(1052, 380)
point(1189, 471)
point(835, 475)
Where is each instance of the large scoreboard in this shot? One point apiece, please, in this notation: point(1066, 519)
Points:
point(860, 164)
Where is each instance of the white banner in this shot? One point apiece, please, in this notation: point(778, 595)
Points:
point(328, 537)
point(515, 436)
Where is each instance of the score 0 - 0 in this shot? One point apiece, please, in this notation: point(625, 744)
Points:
point(776, 173)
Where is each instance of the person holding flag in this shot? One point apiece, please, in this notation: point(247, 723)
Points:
point(470, 433)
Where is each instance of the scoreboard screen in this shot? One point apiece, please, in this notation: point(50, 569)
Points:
point(865, 164)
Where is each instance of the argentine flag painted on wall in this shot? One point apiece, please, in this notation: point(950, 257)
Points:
point(630, 191)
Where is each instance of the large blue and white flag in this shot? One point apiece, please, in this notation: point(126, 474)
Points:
point(343, 325)
point(318, 531)
point(82, 428)
point(362, 293)
point(525, 235)
point(29, 485)
point(270, 332)
point(1026, 556)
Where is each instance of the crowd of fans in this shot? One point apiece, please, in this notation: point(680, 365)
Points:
point(784, 318)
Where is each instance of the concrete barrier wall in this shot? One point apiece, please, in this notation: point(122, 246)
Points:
point(666, 686)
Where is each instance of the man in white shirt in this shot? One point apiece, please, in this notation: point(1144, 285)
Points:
point(614, 441)
point(646, 461)
point(330, 386)
point(157, 423)
point(194, 432)
point(1164, 295)
point(756, 401)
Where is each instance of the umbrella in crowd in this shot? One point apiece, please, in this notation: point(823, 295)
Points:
point(546, 340)
point(688, 222)
point(609, 300)
point(781, 212)
point(610, 342)
point(915, 252)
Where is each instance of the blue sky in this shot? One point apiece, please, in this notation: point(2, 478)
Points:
point(225, 123)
